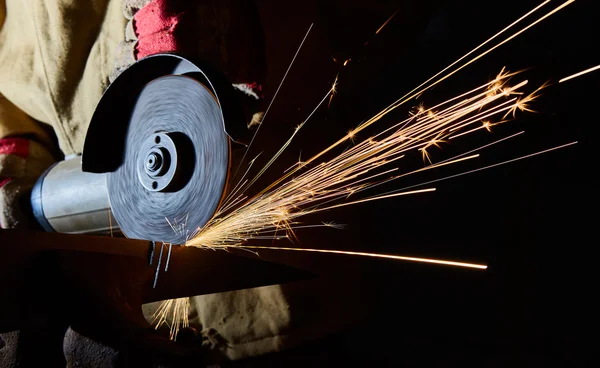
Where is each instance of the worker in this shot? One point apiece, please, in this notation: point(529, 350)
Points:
point(56, 59)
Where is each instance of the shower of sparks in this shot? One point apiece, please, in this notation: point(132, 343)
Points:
point(387, 21)
point(419, 90)
point(379, 255)
point(579, 74)
point(174, 314)
point(277, 208)
point(308, 186)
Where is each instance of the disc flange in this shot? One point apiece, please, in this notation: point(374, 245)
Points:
point(175, 164)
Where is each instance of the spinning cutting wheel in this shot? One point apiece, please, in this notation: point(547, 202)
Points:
point(176, 162)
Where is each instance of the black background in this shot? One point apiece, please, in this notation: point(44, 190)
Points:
point(530, 221)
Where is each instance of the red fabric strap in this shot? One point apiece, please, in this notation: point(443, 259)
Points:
point(15, 146)
point(167, 26)
point(156, 26)
point(4, 181)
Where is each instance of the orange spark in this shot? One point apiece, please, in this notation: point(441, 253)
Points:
point(387, 21)
point(378, 255)
point(376, 198)
point(579, 74)
point(333, 90)
point(487, 125)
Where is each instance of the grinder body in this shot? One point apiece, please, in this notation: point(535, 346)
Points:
point(156, 158)
point(68, 200)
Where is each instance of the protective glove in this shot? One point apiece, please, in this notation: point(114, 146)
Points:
point(22, 161)
point(225, 34)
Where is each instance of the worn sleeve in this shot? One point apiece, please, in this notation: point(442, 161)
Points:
point(24, 155)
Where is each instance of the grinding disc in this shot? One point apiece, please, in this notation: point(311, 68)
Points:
point(185, 110)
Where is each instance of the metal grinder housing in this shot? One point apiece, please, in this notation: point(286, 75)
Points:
point(156, 158)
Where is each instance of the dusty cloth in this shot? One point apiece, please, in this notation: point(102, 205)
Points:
point(83, 352)
point(56, 59)
point(8, 349)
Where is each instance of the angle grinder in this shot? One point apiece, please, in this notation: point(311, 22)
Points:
point(156, 158)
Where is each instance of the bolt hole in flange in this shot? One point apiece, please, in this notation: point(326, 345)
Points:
point(165, 161)
point(157, 162)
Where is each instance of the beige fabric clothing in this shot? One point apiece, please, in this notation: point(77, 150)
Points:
point(55, 61)
point(56, 58)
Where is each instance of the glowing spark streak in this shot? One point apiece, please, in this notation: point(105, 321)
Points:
point(387, 21)
point(472, 51)
point(434, 166)
point(304, 227)
point(240, 184)
point(276, 156)
point(333, 90)
point(486, 167)
point(505, 41)
point(274, 96)
point(484, 115)
point(375, 198)
point(467, 132)
point(379, 255)
point(374, 176)
point(485, 146)
point(408, 96)
point(224, 209)
point(294, 165)
point(579, 74)
point(460, 96)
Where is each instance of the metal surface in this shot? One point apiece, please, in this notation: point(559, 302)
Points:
point(101, 282)
point(72, 201)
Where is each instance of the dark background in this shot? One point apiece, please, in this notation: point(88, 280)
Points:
point(530, 221)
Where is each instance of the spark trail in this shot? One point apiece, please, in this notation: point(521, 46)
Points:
point(579, 74)
point(308, 186)
point(278, 207)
